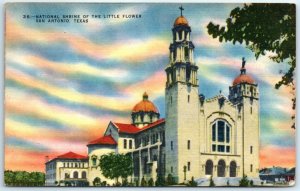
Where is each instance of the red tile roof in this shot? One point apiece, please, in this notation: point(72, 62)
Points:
point(127, 128)
point(71, 155)
point(105, 140)
point(132, 129)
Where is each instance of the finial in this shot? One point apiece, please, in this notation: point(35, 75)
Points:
point(243, 69)
point(181, 9)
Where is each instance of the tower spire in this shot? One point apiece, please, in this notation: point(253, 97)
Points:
point(181, 9)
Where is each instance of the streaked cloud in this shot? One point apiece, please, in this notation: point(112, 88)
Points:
point(38, 62)
point(131, 50)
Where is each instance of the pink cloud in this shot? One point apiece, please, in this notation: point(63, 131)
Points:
point(277, 156)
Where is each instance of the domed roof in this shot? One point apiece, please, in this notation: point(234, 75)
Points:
point(181, 20)
point(145, 105)
point(243, 78)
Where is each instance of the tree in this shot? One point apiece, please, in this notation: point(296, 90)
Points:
point(114, 166)
point(264, 27)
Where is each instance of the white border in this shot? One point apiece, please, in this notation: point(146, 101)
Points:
point(3, 187)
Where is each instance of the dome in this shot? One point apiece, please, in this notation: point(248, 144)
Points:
point(145, 105)
point(181, 20)
point(243, 78)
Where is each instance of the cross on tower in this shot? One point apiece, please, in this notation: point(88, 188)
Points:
point(181, 9)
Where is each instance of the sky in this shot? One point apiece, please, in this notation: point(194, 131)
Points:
point(64, 82)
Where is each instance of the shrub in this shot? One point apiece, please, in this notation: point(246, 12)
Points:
point(160, 181)
point(103, 183)
point(211, 182)
point(143, 182)
point(192, 183)
point(244, 182)
point(170, 180)
point(251, 182)
point(151, 182)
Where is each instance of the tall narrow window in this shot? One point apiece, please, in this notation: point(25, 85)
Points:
point(171, 169)
point(186, 53)
point(188, 144)
point(94, 160)
point(221, 131)
point(251, 149)
point(125, 143)
point(214, 132)
point(227, 134)
point(188, 98)
point(251, 110)
point(189, 166)
point(251, 168)
point(130, 144)
point(171, 145)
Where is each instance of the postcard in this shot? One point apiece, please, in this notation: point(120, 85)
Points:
point(145, 94)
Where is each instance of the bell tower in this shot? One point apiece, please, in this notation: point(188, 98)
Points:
point(244, 93)
point(182, 105)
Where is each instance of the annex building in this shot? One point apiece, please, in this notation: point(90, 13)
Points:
point(199, 136)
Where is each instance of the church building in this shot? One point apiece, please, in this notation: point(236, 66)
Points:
point(199, 136)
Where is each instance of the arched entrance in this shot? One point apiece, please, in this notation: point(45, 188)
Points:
point(209, 167)
point(221, 168)
point(232, 171)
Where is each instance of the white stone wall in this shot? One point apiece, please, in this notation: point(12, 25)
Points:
point(121, 148)
point(251, 137)
point(209, 113)
point(182, 125)
point(94, 170)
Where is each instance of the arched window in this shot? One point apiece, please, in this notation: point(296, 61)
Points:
point(75, 174)
point(83, 175)
point(130, 144)
point(221, 168)
point(209, 167)
point(232, 169)
point(94, 160)
point(220, 133)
